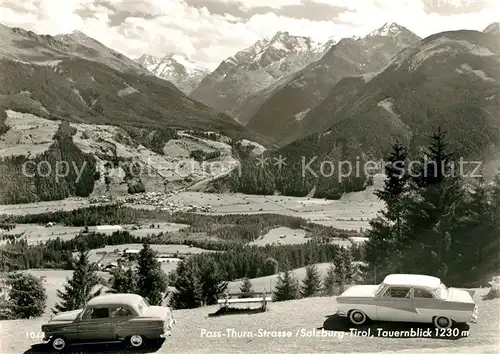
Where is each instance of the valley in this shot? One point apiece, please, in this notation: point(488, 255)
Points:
point(178, 180)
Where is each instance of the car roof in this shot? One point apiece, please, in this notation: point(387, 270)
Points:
point(426, 281)
point(115, 299)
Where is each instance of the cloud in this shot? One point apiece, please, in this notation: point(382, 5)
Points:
point(251, 4)
point(160, 26)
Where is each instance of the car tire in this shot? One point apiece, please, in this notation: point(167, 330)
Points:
point(136, 341)
point(442, 322)
point(357, 317)
point(59, 344)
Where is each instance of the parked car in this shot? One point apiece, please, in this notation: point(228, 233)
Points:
point(408, 298)
point(126, 318)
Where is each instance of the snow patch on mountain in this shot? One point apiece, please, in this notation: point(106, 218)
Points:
point(479, 73)
point(127, 91)
point(388, 106)
point(388, 29)
point(299, 116)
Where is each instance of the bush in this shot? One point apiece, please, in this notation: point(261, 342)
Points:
point(27, 296)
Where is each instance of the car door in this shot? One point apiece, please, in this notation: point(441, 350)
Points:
point(120, 316)
point(95, 325)
point(423, 304)
point(395, 304)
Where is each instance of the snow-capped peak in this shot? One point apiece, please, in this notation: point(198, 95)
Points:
point(148, 61)
point(178, 69)
point(388, 29)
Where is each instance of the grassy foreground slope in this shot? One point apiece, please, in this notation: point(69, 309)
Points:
point(293, 316)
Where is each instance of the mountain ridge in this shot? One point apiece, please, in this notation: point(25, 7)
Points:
point(307, 87)
point(255, 68)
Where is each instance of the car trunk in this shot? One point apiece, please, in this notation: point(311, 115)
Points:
point(460, 295)
point(360, 291)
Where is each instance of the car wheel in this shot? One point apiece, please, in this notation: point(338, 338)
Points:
point(136, 341)
point(357, 317)
point(58, 344)
point(442, 322)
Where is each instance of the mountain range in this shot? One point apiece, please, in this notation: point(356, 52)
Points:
point(343, 100)
point(70, 98)
point(295, 96)
point(77, 77)
point(255, 68)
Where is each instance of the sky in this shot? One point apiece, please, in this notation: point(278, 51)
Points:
point(209, 31)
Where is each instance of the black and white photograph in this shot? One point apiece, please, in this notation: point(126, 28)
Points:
point(250, 176)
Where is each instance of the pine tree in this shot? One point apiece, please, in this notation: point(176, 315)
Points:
point(78, 289)
point(27, 296)
point(151, 280)
point(344, 270)
point(386, 228)
point(212, 280)
point(287, 287)
point(476, 244)
point(311, 284)
point(271, 266)
point(436, 163)
point(246, 287)
point(434, 214)
point(188, 292)
point(329, 283)
point(396, 178)
point(124, 281)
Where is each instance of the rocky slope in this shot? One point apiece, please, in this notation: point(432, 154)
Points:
point(78, 78)
point(255, 68)
point(450, 79)
point(182, 72)
point(284, 107)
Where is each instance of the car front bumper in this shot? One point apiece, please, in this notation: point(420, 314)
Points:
point(167, 332)
point(473, 318)
point(341, 313)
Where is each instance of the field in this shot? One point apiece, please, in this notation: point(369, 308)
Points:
point(352, 212)
point(300, 318)
point(43, 207)
point(283, 235)
point(34, 233)
point(268, 283)
point(113, 256)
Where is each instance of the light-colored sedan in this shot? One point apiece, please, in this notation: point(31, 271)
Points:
point(107, 318)
point(408, 298)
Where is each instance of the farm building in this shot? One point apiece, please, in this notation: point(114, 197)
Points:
point(108, 228)
point(130, 251)
point(168, 259)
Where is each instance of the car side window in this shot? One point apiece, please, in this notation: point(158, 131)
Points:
point(400, 292)
point(121, 312)
point(422, 294)
point(96, 313)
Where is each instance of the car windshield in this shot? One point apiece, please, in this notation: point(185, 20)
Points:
point(143, 305)
point(379, 289)
point(442, 291)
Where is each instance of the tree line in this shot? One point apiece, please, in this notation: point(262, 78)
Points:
point(436, 221)
point(57, 253)
point(24, 182)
